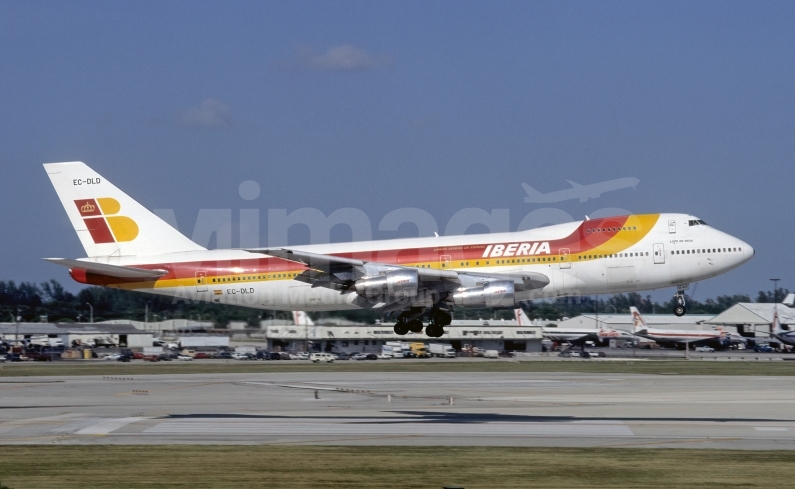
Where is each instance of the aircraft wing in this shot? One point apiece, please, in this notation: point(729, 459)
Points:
point(109, 270)
point(341, 273)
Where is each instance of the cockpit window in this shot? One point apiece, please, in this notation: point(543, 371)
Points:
point(697, 222)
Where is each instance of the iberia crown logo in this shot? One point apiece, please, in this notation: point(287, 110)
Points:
point(105, 226)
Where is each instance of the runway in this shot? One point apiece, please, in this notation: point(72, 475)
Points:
point(378, 408)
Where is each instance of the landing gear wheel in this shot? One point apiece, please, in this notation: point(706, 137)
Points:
point(401, 328)
point(415, 326)
point(679, 310)
point(434, 331)
point(441, 318)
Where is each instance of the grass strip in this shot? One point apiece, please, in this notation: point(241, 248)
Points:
point(187, 466)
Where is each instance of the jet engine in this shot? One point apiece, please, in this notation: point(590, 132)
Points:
point(499, 293)
point(393, 285)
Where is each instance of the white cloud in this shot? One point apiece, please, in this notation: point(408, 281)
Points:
point(340, 58)
point(211, 113)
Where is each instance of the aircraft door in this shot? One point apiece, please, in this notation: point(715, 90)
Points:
point(444, 261)
point(659, 253)
point(201, 281)
point(565, 258)
point(672, 226)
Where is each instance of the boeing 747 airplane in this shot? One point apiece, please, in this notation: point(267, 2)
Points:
point(418, 279)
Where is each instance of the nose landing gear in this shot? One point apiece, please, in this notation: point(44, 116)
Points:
point(680, 308)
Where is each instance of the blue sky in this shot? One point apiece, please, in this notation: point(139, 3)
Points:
point(380, 106)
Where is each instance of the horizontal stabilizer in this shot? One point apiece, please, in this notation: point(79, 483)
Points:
point(109, 270)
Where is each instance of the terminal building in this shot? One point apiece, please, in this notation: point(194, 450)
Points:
point(123, 335)
point(487, 334)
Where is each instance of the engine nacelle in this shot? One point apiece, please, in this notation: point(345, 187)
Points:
point(397, 284)
point(499, 293)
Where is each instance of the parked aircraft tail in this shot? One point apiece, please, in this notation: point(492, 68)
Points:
point(638, 321)
point(301, 318)
point(521, 317)
point(108, 221)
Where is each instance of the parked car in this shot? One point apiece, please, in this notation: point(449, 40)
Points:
point(124, 358)
point(275, 355)
point(201, 355)
point(239, 356)
point(359, 356)
point(371, 356)
point(384, 356)
point(707, 349)
point(164, 357)
point(225, 355)
point(300, 355)
point(2, 358)
point(185, 358)
point(763, 348)
point(321, 357)
point(112, 356)
point(491, 354)
point(341, 356)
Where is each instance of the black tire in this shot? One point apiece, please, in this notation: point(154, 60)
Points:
point(415, 326)
point(679, 310)
point(442, 319)
point(401, 329)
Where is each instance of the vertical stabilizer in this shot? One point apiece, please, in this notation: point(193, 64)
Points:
point(301, 318)
point(108, 221)
point(521, 317)
point(639, 324)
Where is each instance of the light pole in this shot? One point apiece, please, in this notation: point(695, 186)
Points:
point(92, 311)
point(775, 289)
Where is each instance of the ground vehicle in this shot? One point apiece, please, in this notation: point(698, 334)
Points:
point(341, 356)
point(764, 348)
point(185, 358)
point(275, 355)
point(2, 358)
point(491, 354)
point(112, 356)
point(396, 349)
point(164, 357)
point(299, 355)
point(371, 356)
point(384, 356)
point(239, 356)
point(124, 358)
point(225, 355)
point(418, 350)
point(703, 348)
point(359, 356)
point(321, 357)
point(202, 354)
point(443, 350)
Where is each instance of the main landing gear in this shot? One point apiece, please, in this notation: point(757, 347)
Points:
point(435, 329)
point(680, 308)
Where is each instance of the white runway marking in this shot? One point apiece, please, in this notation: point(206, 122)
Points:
point(386, 427)
point(107, 425)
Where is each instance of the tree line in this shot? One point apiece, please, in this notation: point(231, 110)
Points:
point(49, 301)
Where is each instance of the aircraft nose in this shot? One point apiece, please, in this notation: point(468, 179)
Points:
point(748, 251)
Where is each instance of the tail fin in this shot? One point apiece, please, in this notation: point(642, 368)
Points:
point(108, 221)
point(521, 317)
point(789, 301)
point(638, 321)
point(301, 318)
point(776, 328)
